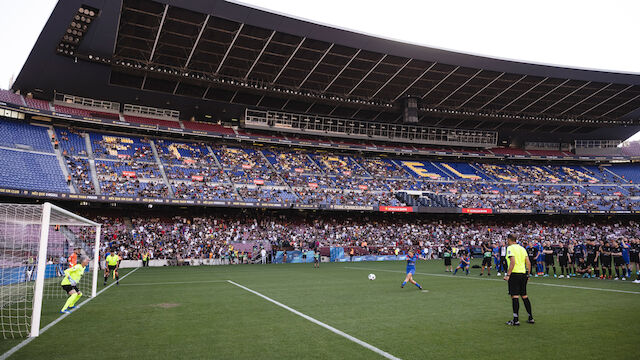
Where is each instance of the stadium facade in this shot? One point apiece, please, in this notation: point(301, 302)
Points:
point(218, 104)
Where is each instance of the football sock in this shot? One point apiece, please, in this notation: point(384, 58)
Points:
point(554, 271)
point(69, 302)
point(546, 271)
point(455, 271)
point(527, 305)
point(418, 286)
point(467, 270)
point(516, 307)
point(404, 283)
point(75, 299)
point(617, 272)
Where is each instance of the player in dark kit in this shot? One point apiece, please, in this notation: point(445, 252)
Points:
point(618, 261)
point(549, 259)
point(486, 259)
point(532, 253)
point(593, 254)
point(605, 259)
point(563, 259)
point(446, 253)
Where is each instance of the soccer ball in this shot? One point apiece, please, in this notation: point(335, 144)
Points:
point(372, 276)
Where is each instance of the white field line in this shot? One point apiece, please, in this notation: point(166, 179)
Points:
point(28, 340)
point(317, 322)
point(486, 279)
point(175, 283)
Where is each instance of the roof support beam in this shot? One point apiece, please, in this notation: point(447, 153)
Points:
point(260, 55)
point(564, 97)
point(585, 99)
point(193, 49)
point(289, 60)
point(204, 96)
point(415, 81)
point(459, 87)
point(441, 81)
point(523, 94)
point(619, 106)
point(543, 96)
point(481, 90)
point(155, 43)
point(342, 70)
point(315, 66)
point(607, 99)
point(367, 74)
point(391, 78)
point(502, 92)
point(235, 37)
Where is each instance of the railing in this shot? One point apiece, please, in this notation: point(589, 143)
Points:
point(320, 125)
point(146, 111)
point(66, 100)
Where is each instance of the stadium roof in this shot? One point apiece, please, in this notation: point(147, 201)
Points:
point(223, 57)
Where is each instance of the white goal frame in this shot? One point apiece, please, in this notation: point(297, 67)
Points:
point(42, 259)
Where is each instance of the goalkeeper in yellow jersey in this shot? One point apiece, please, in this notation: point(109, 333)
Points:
point(70, 282)
point(113, 263)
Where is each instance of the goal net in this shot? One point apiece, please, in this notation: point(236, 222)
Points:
point(36, 242)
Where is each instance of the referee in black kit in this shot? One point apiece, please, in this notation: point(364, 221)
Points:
point(517, 277)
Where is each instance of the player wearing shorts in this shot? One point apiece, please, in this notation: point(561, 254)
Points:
point(465, 262)
point(540, 260)
point(486, 259)
point(593, 254)
point(563, 259)
point(113, 262)
point(316, 258)
point(549, 259)
point(618, 260)
point(605, 259)
point(496, 258)
point(634, 257)
point(70, 282)
point(412, 258)
point(446, 254)
point(517, 277)
point(532, 254)
point(571, 250)
point(626, 258)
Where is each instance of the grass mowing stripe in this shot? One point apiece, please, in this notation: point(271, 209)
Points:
point(485, 279)
point(317, 322)
point(176, 283)
point(28, 340)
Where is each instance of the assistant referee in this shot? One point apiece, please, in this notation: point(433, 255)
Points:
point(517, 277)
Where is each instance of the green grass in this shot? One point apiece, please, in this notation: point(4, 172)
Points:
point(201, 316)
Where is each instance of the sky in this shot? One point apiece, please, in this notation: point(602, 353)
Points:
point(575, 33)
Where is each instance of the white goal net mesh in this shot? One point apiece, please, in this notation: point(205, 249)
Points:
point(20, 241)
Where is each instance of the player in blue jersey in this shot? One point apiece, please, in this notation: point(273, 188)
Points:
point(496, 258)
point(465, 262)
point(412, 258)
point(540, 259)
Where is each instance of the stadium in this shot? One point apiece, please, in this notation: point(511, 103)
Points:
point(209, 180)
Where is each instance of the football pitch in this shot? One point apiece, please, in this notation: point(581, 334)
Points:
point(293, 311)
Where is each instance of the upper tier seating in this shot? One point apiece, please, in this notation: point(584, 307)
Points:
point(31, 171)
point(23, 135)
point(9, 97)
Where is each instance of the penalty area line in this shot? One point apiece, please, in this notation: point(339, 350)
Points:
point(175, 283)
point(51, 324)
point(485, 279)
point(317, 322)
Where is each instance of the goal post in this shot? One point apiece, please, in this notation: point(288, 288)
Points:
point(35, 242)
